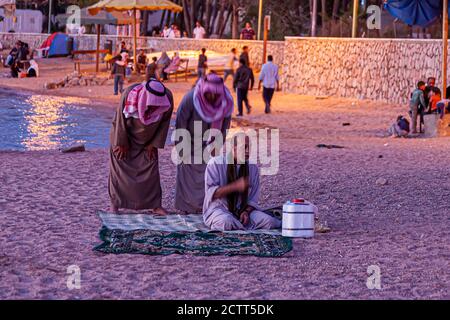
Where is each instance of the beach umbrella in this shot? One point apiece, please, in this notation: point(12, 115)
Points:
point(134, 5)
point(424, 13)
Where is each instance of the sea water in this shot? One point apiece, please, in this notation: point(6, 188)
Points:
point(37, 122)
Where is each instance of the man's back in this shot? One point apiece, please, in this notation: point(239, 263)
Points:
point(202, 59)
point(269, 75)
point(244, 78)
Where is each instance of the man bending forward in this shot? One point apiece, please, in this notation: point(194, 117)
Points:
point(232, 194)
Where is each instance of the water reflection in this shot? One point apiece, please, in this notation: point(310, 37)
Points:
point(45, 122)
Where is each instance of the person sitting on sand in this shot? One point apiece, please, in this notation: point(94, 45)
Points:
point(163, 62)
point(33, 70)
point(232, 188)
point(140, 127)
point(400, 128)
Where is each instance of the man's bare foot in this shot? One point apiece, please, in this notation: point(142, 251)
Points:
point(160, 212)
point(114, 209)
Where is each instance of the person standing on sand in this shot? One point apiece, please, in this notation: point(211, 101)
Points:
point(229, 71)
point(417, 101)
point(208, 106)
point(270, 80)
point(202, 64)
point(151, 70)
point(244, 80)
point(245, 55)
point(139, 128)
point(118, 72)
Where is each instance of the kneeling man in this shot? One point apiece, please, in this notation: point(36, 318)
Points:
point(232, 193)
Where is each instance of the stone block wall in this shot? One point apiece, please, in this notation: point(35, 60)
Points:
point(376, 69)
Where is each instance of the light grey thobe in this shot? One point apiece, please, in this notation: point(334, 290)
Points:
point(215, 211)
point(190, 185)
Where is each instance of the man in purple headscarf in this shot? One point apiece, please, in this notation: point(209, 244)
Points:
point(208, 106)
point(139, 129)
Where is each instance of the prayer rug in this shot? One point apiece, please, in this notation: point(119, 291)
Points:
point(199, 243)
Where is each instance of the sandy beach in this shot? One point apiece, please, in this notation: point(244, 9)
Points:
point(49, 200)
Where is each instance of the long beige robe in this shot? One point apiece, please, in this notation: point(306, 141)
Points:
point(134, 183)
point(190, 186)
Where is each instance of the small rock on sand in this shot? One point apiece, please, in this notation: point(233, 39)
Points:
point(381, 182)
point(76, 148)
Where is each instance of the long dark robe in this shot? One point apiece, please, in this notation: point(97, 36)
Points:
point(190, 186)
point(134, 183)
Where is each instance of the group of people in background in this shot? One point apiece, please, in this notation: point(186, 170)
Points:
point(425, 99)
point(199, 32)
point(20, 61)
point(238, 67)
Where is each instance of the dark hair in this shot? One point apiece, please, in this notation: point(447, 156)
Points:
point(233, 50)
point(420, 83)
point(203, 50)
point(242, 61)
point(436, 90)
point(118, 58)
point(431, 78)
point(155, 59)
point(244, 47)
point(270, 58)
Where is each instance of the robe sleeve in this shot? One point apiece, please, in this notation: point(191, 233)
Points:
point(184, 112)
point(225, 127)
point(212, 183)
point(253, 196)
point(160, 137)
point(119, 135)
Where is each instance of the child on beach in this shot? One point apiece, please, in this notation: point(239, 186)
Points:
point(417, 101)
point(435, 98)
point(400, 128)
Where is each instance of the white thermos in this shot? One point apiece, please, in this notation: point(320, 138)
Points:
point(298, 219)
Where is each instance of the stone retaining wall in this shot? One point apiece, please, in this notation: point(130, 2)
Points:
point(377, 69)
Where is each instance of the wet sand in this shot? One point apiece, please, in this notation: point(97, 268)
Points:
point(48, 204)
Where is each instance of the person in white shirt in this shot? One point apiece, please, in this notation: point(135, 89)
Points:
point(174, 32)
point(270, 79)
point(166, 31)
point(199, 31)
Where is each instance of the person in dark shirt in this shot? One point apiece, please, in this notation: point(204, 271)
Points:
point(244, 81)
point(118, 72)
point(248, 33)
point(141, 61)
point(151, 70)
point(202, 64)
point(244, 55)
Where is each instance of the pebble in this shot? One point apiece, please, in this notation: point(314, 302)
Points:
point(381, 182)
